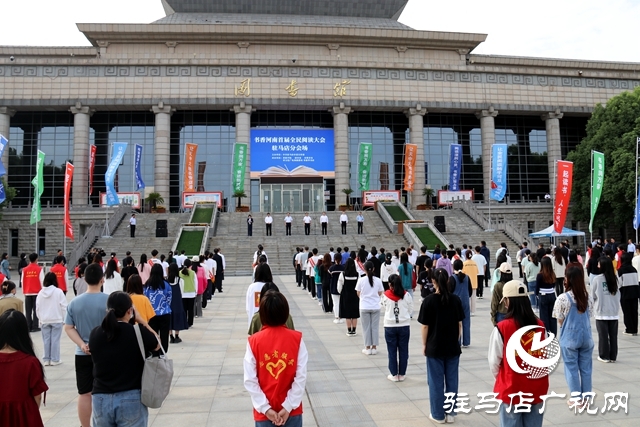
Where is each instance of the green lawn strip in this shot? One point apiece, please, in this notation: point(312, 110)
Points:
point(190, 242)
point(397, 214)
point(202, 216)
point(427, 237)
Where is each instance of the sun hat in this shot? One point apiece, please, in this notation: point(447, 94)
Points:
point(514, 289)
point(195, 258)
point(505, 268)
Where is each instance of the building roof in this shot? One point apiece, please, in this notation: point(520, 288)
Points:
point(389, 9)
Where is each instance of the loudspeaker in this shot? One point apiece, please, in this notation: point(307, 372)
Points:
point(162, 232)
point(439, 223)
point(161, 224)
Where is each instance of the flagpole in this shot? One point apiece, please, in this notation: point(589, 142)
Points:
point(591, 228)
point(490, 180)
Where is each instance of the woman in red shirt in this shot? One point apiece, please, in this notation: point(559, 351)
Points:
point(22, 373)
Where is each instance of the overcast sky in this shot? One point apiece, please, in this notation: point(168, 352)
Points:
point(586, 29)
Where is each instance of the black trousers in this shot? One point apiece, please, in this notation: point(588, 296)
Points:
point(189, 308)
point(486, 277)
point(288, 229)
point(360, 225)
point(343, 225)
point(607, 339)
point(327, 301)
point(324, 228)
point(559, 285)
point(630, 314)
point(268, 229)
point(311, 285)
point(480, 289)
point(217, 285)
point(133, 230)
point(307, 229)
point(161, 325)
point(30, 309)
point(249, 229)
point(304, 280)
point(298, 275)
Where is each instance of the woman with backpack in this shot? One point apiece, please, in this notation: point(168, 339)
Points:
point(398, 306)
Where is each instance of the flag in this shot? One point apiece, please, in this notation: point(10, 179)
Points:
point(38, 189)
point(455, 166)
point(3, 145)
point(190, 167)
point(3, 194)
point(498, 172)
point(68, 176)
point(410, 151)
point(597, 180)
point(239, 166)
point(138, 161)
point(92, 165)
point(564, 182)
point(364, 165)
point(116, 157)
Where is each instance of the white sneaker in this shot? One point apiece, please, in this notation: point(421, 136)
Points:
point(402, 378)
point(341, 321)
point(437, 421)
point(374, 351)
point(603, 360)
point(449, 419)
point(319, 302)
point(52, 363)
point(336, 321)
point(393, 378)
point(46, 363)
point(366, 351)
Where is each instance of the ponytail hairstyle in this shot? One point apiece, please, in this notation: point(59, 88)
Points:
point(440, 279)
point(8, 287)
point(369, 268)
point(111, 268)
point(606, 267)
point(118, 304)
point(459, 265)
point(172, 272)
point(534, 258)
point(143, 262)
point(185, 267)
point(468, 254)
point(395, 282)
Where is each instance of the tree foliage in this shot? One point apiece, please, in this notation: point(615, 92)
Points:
point(612, 130)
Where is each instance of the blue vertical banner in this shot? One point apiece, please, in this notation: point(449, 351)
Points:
point(3, 195)
point(636, 215)
point(455, 166)
point(116, 157)
point(498, 171)
point(3, 145)
point(137, 166)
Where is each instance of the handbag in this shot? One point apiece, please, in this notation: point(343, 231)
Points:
point(156, 376)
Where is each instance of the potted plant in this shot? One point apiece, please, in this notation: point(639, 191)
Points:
point(428, 193)
point(347, 207)
point(240, 195)
point(156, 201)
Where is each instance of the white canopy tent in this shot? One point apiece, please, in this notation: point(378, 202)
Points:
point(550, 233)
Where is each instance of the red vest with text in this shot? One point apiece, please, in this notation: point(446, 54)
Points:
point(31, 279)
point(276, 352)
point(59, 270)
point(510, 382)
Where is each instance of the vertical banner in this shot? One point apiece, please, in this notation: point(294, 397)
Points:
point(190, 166)
point(499, 171)
point(410, 151)
point(3, 194)
point(455, 166)
point(564, 182)
point(137, 166)
point(636, 214)
point(92, 166)
point(597, 181)
point(365, 151)
point(109, 178)
point(239, 166)
point(68, 176)
point(38, 189)
point(3, 145)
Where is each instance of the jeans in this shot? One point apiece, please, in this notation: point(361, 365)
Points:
point(51, 333)
point(123, 409)
point(531, 288)
point(607, 339)
point(442, 376)
point(295, 421)
point(521, 419)
point(30, 311)
point(547, 302)
point(397, 339)
point(319, 291)
point(370, 327)
point(578, 367)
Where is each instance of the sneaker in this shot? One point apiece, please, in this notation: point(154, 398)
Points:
point(353, 334)
point(629, 333)
point(437, 421)
point(35, 330)
point(366, 351)
point(374, 351)
point(54, 363)
point(171, 339)
point(600, 359)
point(46, 363)
point(349, 334)
point(392, 378)
point(320, 302)
point(402, 377)
point(336, 321)
point(178, 340)
point(341, 320)
point(480, 297)
point(449, 418)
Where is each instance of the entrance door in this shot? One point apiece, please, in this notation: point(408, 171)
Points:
point(292, 197)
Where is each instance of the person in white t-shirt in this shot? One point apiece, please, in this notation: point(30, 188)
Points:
point(180, 259)
point(324, 220)
point(252, 303)
point(298, 266)
point(268, 220)
point(287, 224)
point(369, 289)
point(258, 253)
point(132, 225)
point(344, 220)
point(307, 223)
point(481, 262)
point(413, 255)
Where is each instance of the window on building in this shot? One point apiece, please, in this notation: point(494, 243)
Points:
point(42, 242)
point(13, 242)
point(531, 226)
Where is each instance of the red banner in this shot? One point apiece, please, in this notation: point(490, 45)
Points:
point(564, 182)
point(68, 176)
point(92, 164)
point(410, 151)
point(190, 167)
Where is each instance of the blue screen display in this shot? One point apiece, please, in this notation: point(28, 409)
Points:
point(292, 152)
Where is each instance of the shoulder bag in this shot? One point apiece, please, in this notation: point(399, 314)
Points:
point(156, 376)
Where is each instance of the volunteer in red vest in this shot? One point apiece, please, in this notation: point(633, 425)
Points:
point(60, 270)
point(275, 366)
point(32, 277)
point(501, 356)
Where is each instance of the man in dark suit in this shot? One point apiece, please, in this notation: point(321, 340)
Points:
point(219, 270)
point(484, 251)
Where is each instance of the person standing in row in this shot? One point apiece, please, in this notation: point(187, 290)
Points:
point(324, 220)
point(287, 224)
point(398, 306)
point(132, 225)
point(336, 269)
point(51, 306)
point(545, 291)
point(8, 300)
point(307, 223)
point(249, 225)
point(629, 294)
point(606, 305)
point(349, 300)
point(268, 220)
point(486, 253)
point(32, 277)
point(369, 289)
point(360, 220)
point(481, 264)
point(159, 293)
point(344, 220)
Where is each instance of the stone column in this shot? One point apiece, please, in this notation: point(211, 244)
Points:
point(243, 135)
point(416, 136)
point(488, 135)
point(341, 150)
point(81, 124)
point(162, 142)
point(554, 150)
point(5, 127)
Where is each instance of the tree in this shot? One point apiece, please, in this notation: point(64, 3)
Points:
point(348, 192)
point(239, 194)
point(10, 194)
point(155, 199)
point(612, 130)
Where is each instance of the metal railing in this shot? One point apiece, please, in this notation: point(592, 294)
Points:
point(514, 232)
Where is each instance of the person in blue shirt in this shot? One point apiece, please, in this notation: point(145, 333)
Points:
point(360, 220)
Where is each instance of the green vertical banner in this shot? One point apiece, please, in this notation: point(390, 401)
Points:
point(38, 189)
point(365, 152)
point(597, 181)
point(239, 166)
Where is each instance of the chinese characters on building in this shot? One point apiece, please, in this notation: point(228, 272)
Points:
point(340, 89)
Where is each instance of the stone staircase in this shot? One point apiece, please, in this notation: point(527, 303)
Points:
point(238, 248)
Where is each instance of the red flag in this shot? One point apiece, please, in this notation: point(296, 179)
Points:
point(68, 176)
point(92, 164)
point(493, 185)
point(564, 182)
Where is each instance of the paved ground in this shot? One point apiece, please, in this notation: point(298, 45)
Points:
point(344, 387)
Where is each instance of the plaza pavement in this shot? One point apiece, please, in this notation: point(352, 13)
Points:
point(344, 387)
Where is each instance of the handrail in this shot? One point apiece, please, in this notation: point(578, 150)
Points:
point(510, 229)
